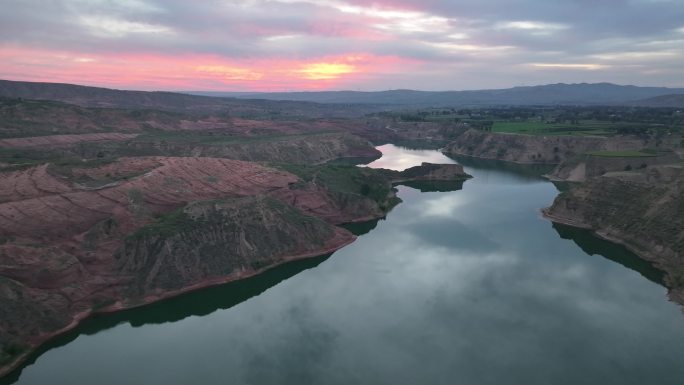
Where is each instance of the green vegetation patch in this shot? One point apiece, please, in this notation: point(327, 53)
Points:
point(371, 183)
point(166, 225)
point(10, 351)
point(100, 304)
point(63, 162)
point(543, 128)
point(292, 215)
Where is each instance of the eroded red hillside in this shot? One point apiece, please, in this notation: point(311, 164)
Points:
point(78, 240)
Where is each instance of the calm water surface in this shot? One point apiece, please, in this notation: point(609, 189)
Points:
point(461, 287)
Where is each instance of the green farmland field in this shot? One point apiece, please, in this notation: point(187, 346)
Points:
point(542, 128)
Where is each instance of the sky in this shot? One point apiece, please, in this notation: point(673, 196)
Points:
point(292, 45)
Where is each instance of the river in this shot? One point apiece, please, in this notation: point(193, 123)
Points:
point(460, 287)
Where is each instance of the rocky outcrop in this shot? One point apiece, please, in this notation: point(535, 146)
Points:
point(433, 172)
point(641, 210)
point(533, 148)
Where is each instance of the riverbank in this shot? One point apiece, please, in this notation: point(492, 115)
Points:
point(181, 251)
point(640, 210)
point(343, 240)
point(446, 272)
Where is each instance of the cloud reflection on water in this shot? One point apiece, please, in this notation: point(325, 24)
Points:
point(398, 158)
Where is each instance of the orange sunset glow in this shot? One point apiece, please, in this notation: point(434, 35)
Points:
point(210, 72)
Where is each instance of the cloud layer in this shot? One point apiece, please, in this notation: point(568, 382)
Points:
point(243, 45)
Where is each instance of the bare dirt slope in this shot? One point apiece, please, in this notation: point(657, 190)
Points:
point(175, 182)
point(30, 183)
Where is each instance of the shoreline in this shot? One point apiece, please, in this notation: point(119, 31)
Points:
point(448, 153)
point(643, 254)
point(341, 239)
point(674, 296)
point(119, 305)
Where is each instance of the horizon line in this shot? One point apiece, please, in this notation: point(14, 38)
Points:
point(338, 90)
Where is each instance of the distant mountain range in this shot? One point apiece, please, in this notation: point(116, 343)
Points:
point(672, 100)
point(341, 103)
point(551, 94)
point(173, 101)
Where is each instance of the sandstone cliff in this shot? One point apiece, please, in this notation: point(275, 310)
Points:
point(641, 210)
point(583, 167)
point(533, 148)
